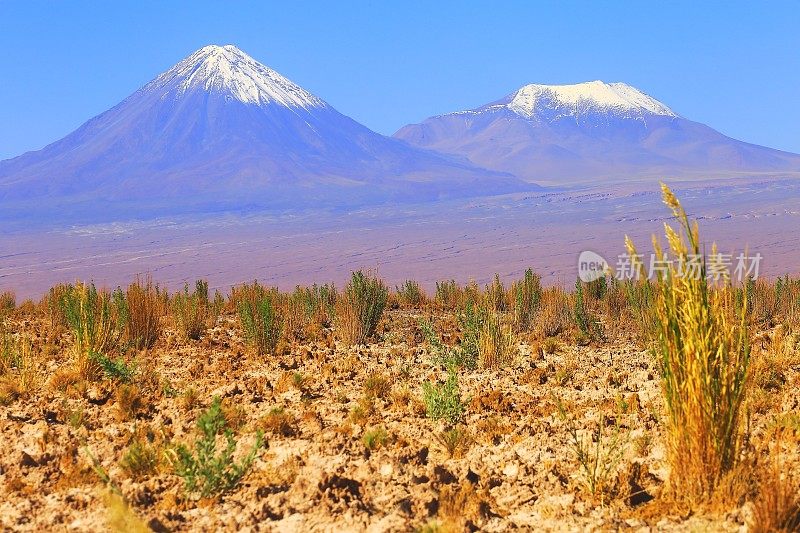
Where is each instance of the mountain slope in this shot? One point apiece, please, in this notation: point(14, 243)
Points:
point(221, 131)
point(569, 133)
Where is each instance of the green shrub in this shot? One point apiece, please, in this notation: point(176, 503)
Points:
point(527, 298)
point(261, 320)
point(410, 294)
point(588, 324)
point(375, 438)
point(362, 306)
point(496, 296)
point(115, 369)
point(448, 294)
point(206, 471)
point(88, 314)
point(443, 400)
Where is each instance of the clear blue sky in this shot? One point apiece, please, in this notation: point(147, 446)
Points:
point(732, 65)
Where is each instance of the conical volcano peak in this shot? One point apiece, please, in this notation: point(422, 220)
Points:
point(229, 71)
point(588, 97)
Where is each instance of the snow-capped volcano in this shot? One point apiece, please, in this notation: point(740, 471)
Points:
point(228, 71)
point(221, 131)
point(581, 99)
point(588, 131)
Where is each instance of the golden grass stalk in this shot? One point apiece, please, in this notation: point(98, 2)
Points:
point(704, 355)
point(497, 346)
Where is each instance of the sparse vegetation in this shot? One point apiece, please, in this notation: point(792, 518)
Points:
point(408, 411)
point(205, 470)
point(260, 319)
point(497, 346)
point(704, 353)
point(362, 306)
point(193, 312)
point(443, 400)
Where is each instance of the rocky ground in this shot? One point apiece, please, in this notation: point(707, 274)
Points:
point(348, 444)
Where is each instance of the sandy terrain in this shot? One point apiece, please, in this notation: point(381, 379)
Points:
point(462, 240)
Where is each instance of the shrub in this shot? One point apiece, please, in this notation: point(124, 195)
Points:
point(115, 369)
point(375, 438)
point(193, 311)
point(443, 400)
point(361, 308)
point(205, 470)
point(143, 309)
point(88, 314)
point(704, 357)
point(19, 368)
point(777, 507)
point(140, 460)
point(496, 295)
point(497, 346)
point(411, 294)
point(377, 385)
point(278, 422)
point(309, 309)
point(598, 453)
point(527, 297)
point(455, 441)
point(8, 301)
point(640, 296)
point(470, 321)
point(555, 316)
point(588, 324)
point(448, 294)
point(260, 319)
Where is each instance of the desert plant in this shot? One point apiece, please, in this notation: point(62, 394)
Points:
point(141, 309)
point(377, 385)
point(527, 297)
point(704, 356)
point(140, 460)
point(555, 316)
point(448, 294)
point(205, 470)
point(8, 301)
point(497, 346)
point(443, 400)
point(19, 368)
point(588, 324)
point(115, 369)
point(410, 294)
point(455, 441)
point(88, 314)
point(375, 438)
point(599, 453)
point(362, 306)
point(260, 320)
point(470, 321)
point(278, 422)
point(496, 295)
point(777, 506)
point(193, 312)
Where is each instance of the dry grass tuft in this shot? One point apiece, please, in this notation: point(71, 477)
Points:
point(704, 357)
point(497, 345)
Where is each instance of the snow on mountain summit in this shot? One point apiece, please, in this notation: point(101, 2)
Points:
point(231, 72)
point(553, 102)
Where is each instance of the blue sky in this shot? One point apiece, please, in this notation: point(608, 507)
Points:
point(732, 65)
